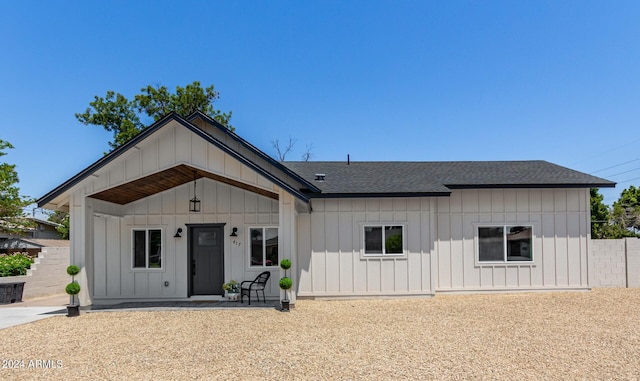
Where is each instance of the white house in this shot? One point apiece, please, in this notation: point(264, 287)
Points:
point(351, 229)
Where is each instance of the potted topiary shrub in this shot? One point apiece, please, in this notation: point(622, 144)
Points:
point(73, 289)
point(232, 290)
point(285, 283)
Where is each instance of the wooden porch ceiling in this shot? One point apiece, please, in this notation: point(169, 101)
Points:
point(167, 179)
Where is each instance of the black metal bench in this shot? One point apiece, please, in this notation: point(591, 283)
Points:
point(256, 285)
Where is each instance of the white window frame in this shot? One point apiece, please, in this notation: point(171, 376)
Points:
point(147, 229)
point(264, 247)
point(383, 254)
point(504, 227)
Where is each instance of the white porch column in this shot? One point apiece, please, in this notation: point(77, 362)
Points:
point(287, 240)
point(81, 221)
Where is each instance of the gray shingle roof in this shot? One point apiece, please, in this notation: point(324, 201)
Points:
point(358, 178)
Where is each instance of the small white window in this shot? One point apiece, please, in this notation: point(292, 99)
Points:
point(263, 247)
point(508, 243)
point(147, 248)
point(383, 240)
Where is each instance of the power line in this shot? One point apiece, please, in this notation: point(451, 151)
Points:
point(617, 165)
point(628, 181)
point(620, 173)
point(608, 151)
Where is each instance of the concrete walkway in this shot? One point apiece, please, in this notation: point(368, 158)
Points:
point(33, 309)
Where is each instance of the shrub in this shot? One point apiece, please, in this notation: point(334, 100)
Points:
point(285, 283)
point(72, 288)
point(285, 264)
point(14, 264)
point(73, 270)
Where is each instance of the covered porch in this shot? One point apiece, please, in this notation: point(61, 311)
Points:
point(168, 251)
point(137, 235)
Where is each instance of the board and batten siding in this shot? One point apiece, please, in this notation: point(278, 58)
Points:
point(101, 243)
point(560, 220)
point(330, 243)
point(114, 277)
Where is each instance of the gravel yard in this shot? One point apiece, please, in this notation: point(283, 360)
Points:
point(552, 335)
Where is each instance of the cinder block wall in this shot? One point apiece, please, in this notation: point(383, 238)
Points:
point(47, 276)
point(607, 263)
point(633, 262)
point(614, 263)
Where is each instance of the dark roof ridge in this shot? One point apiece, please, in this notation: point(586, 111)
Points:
point(417, 161)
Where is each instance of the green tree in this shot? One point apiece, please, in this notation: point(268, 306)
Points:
point(62, 219)
point(125, 118)
point(626, 211)
point(599, 215)
point(604, 223)
point(12, 218)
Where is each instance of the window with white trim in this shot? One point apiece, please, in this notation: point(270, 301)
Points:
point(263, 247)
point(147, 248)
point(383, 240)
point(506, 243)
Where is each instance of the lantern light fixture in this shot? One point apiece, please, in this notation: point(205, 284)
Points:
point(194, 203)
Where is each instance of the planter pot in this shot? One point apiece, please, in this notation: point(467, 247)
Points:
point(73, 310)
point(18, 289)
point(232, 296)
point(285, 305)
point(11, 292)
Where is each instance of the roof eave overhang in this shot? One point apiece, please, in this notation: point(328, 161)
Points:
point(457, 187)
point(521, 186)
point(378, 195)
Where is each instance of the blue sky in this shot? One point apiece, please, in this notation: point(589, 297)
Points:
point(379, 80)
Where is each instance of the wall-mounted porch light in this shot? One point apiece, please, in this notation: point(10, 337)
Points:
point(178, 233)
point(194, 203)
point(234, 232)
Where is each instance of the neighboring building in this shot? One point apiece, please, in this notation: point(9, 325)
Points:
point(42, 234)
point(32, 246)
point(43, 230)
point(351, 229)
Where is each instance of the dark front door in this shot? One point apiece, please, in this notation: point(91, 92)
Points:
point(207, 259)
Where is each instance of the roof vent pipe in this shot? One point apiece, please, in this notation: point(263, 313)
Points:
point(348, 160)
point(320, 176)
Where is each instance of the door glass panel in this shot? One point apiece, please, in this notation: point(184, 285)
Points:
point(207, 238)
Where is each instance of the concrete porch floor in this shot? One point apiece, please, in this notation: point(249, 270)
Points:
point(178, 305)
